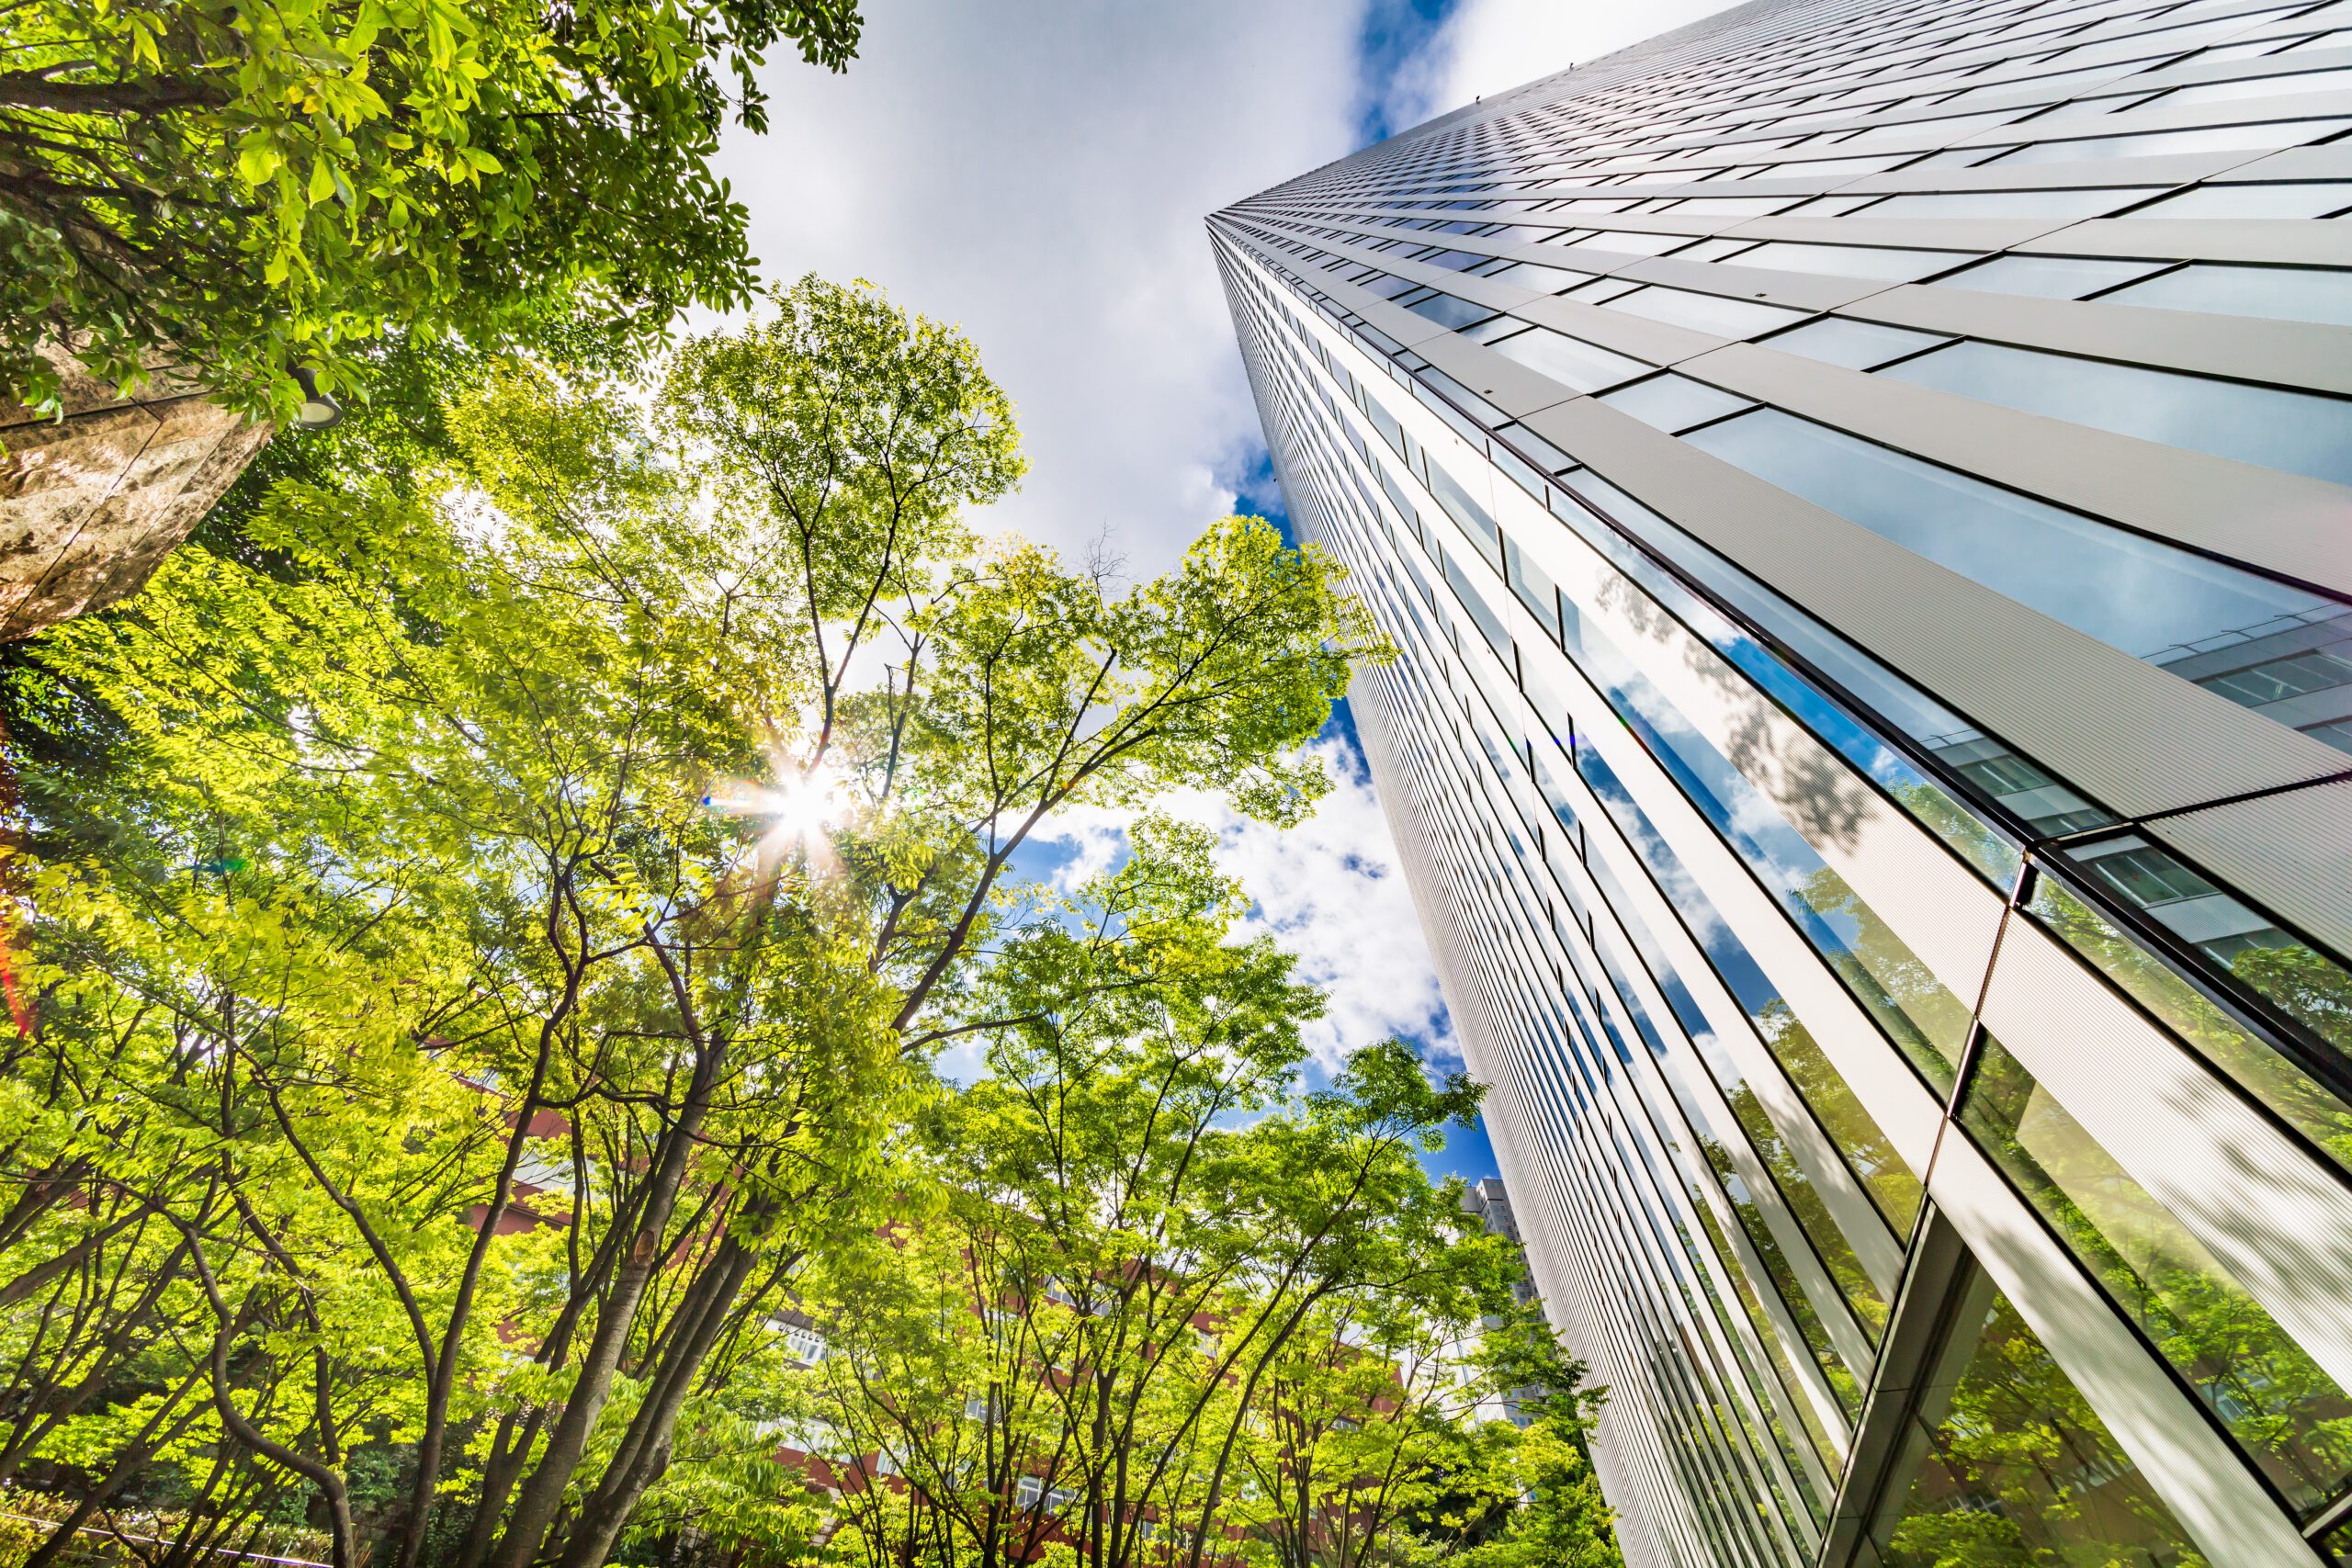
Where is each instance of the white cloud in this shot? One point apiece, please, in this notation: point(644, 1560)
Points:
point(1038, 174)
point(1330, 890)
point(1486, 47)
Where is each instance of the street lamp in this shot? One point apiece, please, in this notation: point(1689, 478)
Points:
point(320, 410)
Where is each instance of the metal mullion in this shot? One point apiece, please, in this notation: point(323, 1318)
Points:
point(1716, 1327)
point(1670, 1462)
point(1796, 1246)
point(1725, 1293)
point(1826, 1164)
point(1596, 1184)
point(1658, 1466)
point(1658, 1102)
point(1610, 1173)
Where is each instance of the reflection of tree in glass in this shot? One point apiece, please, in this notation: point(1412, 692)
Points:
point(2312, 989)
point(1812, 1215)
point(1961, 829)
point(1782, 1371)
point(2020, 1474)
point(1842, 1381)
point(2281, 1407)
point(1774, 1344)
point(1898, 990)
point(1857, 1135)
point(1760, 1381)
point(2305, 1103)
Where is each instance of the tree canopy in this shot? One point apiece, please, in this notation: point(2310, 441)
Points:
point(482, 932)
point(239, 189)
point(1146, 1298)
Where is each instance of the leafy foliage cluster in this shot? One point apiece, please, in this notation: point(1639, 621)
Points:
point(487, 923)
point(1155, 1304)
point(239, 188)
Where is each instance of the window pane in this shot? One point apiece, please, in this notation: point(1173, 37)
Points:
point(1467, 514)
point(1831, 205)
point(1674, 402)
point(2148, 877)
point(1628, 243)
point(1705, 312)
point(2277, 680)
point(1602, 288)
point(1550, 459)
point(1788, 1174)
point(1714, 250)
point(2300, 981)
point(2336, 732)
point(1852, 261)
point(2050, 278)
point(2008, 1463)
point(1968, 834)
point(1918, 1013)
point(1498, 326)
point(2011, 203)
point(2272, 1397)
point(2317, 199)
point(1568, 361)
point(1857, 346)
point(2260, 87)
point(1730, 206)
point(2212, 139)
point(2281, 293)
point(1455, 261)
point(2297, 432)
point(2085, 108)
point(1489, 625)
point(1542, 279)
point(1532, 587)
point(2133, 593)
point(1448, 312)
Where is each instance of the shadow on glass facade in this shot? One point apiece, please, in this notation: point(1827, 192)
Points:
point(1861, 495)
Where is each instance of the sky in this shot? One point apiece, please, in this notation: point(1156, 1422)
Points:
point(1037, 174)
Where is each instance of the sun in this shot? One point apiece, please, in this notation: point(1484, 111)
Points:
point(799, 812)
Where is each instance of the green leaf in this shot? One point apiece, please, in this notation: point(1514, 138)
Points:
point(257, 160)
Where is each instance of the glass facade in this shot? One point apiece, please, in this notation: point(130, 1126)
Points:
point(1858, 490)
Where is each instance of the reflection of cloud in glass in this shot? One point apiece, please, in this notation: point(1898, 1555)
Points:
point(2130, 593)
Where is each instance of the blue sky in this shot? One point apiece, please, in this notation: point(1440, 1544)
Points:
point(1396, 35)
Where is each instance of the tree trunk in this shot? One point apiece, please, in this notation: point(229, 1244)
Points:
point(425, 1488)
point(542, 1495)
point(133, 1462)
point(507, 1457)
point(513, 1450)
point(645, 1450)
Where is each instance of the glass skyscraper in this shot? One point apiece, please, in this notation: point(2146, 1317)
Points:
point(1860, 491)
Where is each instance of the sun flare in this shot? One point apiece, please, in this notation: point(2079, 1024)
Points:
point(798, 811)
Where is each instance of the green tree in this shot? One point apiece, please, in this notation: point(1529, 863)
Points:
point(239, 188)
point(1561, 1520)
point(522, 894)
point(1146, 1302)
point(1388, 1435)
